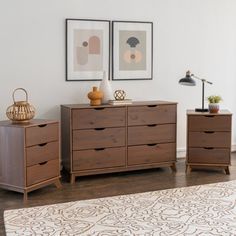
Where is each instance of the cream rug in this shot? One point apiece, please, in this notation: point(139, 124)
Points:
point(198, 210)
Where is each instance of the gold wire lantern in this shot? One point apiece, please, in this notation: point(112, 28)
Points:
point(20, 111)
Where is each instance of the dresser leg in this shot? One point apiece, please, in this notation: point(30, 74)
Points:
point(58, 183)
point(25, 196)
point(173, 167)
point(188, 169)
point(227, 170)
point(72, 178)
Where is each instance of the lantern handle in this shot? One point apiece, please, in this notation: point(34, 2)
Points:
point(26, 94)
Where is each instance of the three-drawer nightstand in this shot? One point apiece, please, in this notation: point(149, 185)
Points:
point(29, 155)
point(208, 139)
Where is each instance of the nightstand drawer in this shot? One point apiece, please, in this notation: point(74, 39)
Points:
point(151, 134)
point(98, 158)
point(209, 155)
point(209, 123)
point(42, 171)
point(41, 153)
point(43, 133)
point(209, 139)
point(153, 153)
point(98, 118)
point(98, 138)
point(151, 114)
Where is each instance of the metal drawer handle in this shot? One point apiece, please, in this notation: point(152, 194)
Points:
point(99, 149)
point(209, 116)
point(209, 132)
point(99, 128)
point(99, 108)
point(208, 148)
point(152, 105)
point(152, 144)
point(42, 144)
point(152, 125)
point(43, 163)
point(42, 125)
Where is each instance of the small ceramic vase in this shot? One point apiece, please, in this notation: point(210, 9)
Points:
point(214, 107)
point(95, 97)
point(105, 88)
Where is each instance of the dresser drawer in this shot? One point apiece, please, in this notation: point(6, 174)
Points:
point(42, 171)
point(151, 134)
point(41, 153)
point(209, 123)
point(152, 114)
point(98, 158)
point(98, 118)
point(147, 154)
point(209, 139)
point(209, 156)
point(98, 138)
point(41, 134)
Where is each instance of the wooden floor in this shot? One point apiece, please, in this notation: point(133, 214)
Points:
point(114, 184)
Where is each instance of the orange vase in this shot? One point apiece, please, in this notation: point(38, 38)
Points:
point(95, 97)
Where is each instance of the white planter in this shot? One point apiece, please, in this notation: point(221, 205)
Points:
point(214, 107)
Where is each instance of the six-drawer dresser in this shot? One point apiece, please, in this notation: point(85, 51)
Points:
point(208, 139)
point(29, 155)
point(106, 138)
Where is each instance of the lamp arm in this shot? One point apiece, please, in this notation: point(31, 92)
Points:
point(203, 80)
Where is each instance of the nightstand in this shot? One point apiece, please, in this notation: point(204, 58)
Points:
point(208, 139)
point(29, 155)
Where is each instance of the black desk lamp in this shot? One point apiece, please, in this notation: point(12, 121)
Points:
point(189, 81)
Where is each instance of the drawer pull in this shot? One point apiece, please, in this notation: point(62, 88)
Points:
point(209, 116)
point(208, 148)
point(42, 125)
point(152, 125)
point(42, 144)
point(152, 105)
point(43, 163)
point(99, 149)
point(99, 108)
point(152, 144)
point(209, 132)
point(99, 128)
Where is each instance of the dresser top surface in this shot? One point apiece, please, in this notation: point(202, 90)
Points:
point(221, 112)
point(34, 122)
point(135, 103)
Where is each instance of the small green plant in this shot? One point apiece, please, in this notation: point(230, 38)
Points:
point(214, 99)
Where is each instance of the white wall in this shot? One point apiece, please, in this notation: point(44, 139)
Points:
point(188, 34)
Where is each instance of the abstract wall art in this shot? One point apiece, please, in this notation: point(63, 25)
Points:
point(87, 49)
point(132, 50)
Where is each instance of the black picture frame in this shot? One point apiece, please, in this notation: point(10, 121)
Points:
point(93, 25)
point(133, 74)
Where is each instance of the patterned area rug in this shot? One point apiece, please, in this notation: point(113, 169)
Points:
point(198, 210)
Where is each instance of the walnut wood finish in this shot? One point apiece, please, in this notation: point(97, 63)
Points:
point(98, 118)
point(86, 128)
point(99, 158)
point(27, 164)
point(151, 114)
point(208, 139)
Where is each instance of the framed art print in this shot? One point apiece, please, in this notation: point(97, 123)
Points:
point(132, 50)
point(87, 49)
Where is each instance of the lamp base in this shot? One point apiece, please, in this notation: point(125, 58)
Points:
point(201, 110)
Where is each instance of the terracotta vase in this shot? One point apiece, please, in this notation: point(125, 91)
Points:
point(95, 97)
point(105, 88)
point(214, 107)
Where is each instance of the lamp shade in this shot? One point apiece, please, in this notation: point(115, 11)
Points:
point(187, 80)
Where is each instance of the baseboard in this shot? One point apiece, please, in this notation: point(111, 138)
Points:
point(181, 152)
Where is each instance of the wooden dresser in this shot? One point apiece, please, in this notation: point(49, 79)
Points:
point(107, 138)
point(208, 139)
point(29, 155)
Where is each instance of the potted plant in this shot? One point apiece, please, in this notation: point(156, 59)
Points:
point(214, 103)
